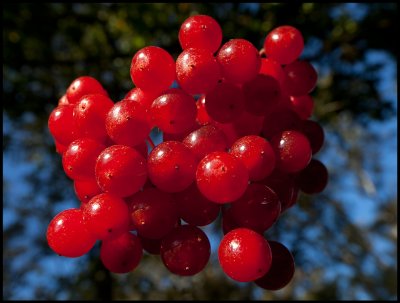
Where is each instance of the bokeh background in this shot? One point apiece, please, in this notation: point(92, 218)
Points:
point(344, 240)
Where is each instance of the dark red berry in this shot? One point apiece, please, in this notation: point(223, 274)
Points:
point(185, 251)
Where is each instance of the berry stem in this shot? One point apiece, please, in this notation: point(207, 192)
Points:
point(150, 142)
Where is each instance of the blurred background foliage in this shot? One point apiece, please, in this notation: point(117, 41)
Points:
point(344, 240)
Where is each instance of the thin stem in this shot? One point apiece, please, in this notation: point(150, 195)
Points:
point(150, 142)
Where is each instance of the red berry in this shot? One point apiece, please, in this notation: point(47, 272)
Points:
point(61, 124)
point(79, 159)
point(246, 124)
point(145, 98)
point(197, 71)
point(127, 123)
point(205, 140)
point(314, 178)
point(303, 105)
point(86, 189)
point(82, 86)
point(171, 166)
point(121, 170)
point(185, 251)
point(300, 79)
point(240, 60)
point(90, 113)
point(284, 44)
point(279, 119)
point(153, 213)
point(258, 209)
point(314, 133)
point(244, 255)
point(282, 268)
point(261, 94)
point(256, 154)
point(292, 150)
point(194, 208)
point(106, 216)
point(200, 31)
point(67, 234)
point(272, 68)
point(121, 254)
point(152, 69)
point(179, 136)
point(225, 103)
point(285, 186)
point(174, 111)
point(60, 148)
point(221, 177)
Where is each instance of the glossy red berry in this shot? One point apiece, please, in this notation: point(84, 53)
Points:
point(256, 154)
point(282, 268)
point(67, 234)
point(292, 150)
point(174, 111)
point(205, 140)
point(221, 177)
point(239, 60)
point(127, 123)
point(90, 113)
point(197, 71)
point(185, 251)
point(145, 98)
point(121, 170)
point(86, 189)
point(121, 254)
point(200, 31)
point(80, 158)
point(171, 166)
point(244, 255)
point(272, 68)
point(153, 213)
point(61, 124)
point(106, 216)
point(284, 44)
point(303, 106)
point(82, 86)
point(152, 69)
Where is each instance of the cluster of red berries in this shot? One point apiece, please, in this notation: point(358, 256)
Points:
point(237, 140)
